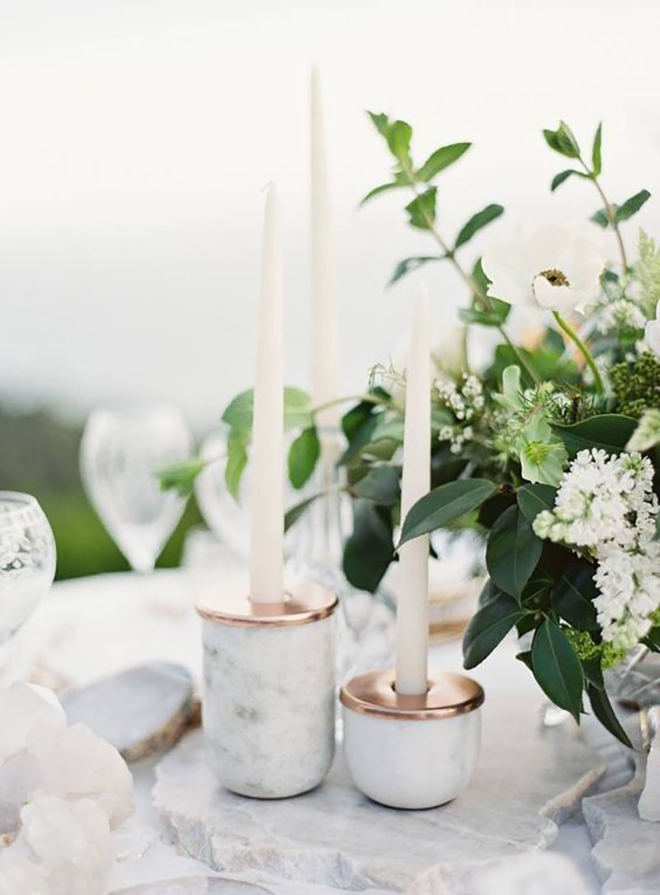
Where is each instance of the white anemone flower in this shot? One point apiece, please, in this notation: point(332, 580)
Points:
point(652, 332)
point(552, 267)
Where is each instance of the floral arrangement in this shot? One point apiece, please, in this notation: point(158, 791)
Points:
point(551, 449)
point(65, 790)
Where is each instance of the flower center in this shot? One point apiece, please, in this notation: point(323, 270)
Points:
point(555, 277)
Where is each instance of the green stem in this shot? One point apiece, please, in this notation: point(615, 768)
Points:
point(611, 217)
point(469, 280)
point(573, 336)
point(366, 399)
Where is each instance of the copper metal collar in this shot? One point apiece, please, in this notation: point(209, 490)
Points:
point(448, 695)
point(308, 602)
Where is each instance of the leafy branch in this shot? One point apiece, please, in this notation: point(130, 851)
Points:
point(422, 215)
point(563, 141)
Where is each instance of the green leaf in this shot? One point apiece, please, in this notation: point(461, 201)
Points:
point(557, 668)
point(631, 206)
point(408, 265)
point(369, 550)
point(533, 499)
point(609, 431)
point(596, 154)
point(593, 671)
point(236, 460)
point(239, 412)
point(443, 505)
point(303, 456)
point(380, 484)
point(181, 477)
point(477, 222)
point(572, 597)
point(563, 141)
point(652, 639)
point(601, 217)
point(558, 179)
point(489, 593)
point(441, 159)
point(398, 139)
point(488, 627)
point(383, 188)
point(495, 315)
point(422, 209)
point(513, 552)
point(602, 708)
point(295, 512)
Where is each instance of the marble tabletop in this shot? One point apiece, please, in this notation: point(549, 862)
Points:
point(96, 626)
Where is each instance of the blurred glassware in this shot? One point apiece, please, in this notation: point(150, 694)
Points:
point(120, 453)
point(27, 559)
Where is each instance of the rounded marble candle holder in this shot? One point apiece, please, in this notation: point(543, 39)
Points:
point(269, 689)
point(411, 751)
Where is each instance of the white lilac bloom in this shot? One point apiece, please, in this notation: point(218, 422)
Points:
point(551, 267)
point(607, 505)
point(652, 332)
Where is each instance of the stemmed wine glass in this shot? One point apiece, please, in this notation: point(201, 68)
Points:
point(120, 455)
point(27, 559)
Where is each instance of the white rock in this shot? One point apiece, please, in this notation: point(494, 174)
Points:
point(526, 780)
point(539, 873)
point(140, 711)
point(28, 715)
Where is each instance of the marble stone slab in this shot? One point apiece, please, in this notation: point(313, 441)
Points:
point(527, 780)
point(626, 852)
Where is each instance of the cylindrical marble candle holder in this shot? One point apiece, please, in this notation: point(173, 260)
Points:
point(411, 751)
point(269, 688)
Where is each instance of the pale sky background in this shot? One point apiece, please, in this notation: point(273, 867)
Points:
point(136, 137)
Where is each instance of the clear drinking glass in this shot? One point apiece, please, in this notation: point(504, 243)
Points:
point(120, 455)
point(27, 559)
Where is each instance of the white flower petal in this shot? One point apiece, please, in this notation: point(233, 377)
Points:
point(652, 335)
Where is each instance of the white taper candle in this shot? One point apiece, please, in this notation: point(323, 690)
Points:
point(323, 342)
point(412, 592)
point(267, 461)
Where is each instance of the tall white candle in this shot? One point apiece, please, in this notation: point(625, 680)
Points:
point(323, 342)
point(412, 593)
point(267, 461)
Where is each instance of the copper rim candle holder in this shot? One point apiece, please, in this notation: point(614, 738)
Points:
point(411, 751)
point(269, 688)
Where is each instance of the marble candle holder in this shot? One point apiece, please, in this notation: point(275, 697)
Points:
point(269, 689)
point(411, 751)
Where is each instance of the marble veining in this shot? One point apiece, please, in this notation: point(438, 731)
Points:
point(268, 706)
point(526, 780)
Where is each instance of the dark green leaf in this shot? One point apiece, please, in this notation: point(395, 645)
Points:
point(652, 639)
point(596, 152)
point(489, 593)
point(557, 668)
point(488, 627)
point(181, 476)
point(408, 265)
point(368, 551)
point(533, 499)
point(525, 658)
point(558, 179)
point(631, 206)
point(444, 505)
point(609, 431)
point(381, 484)
point(513, 552)
point(422, 209)
point(303, 455)
point(602, 708)
point(593, 671)
point(441, 159)
point(573, 596)
point(477, 222)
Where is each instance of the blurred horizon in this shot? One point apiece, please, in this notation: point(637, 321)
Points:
point(137, 138)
